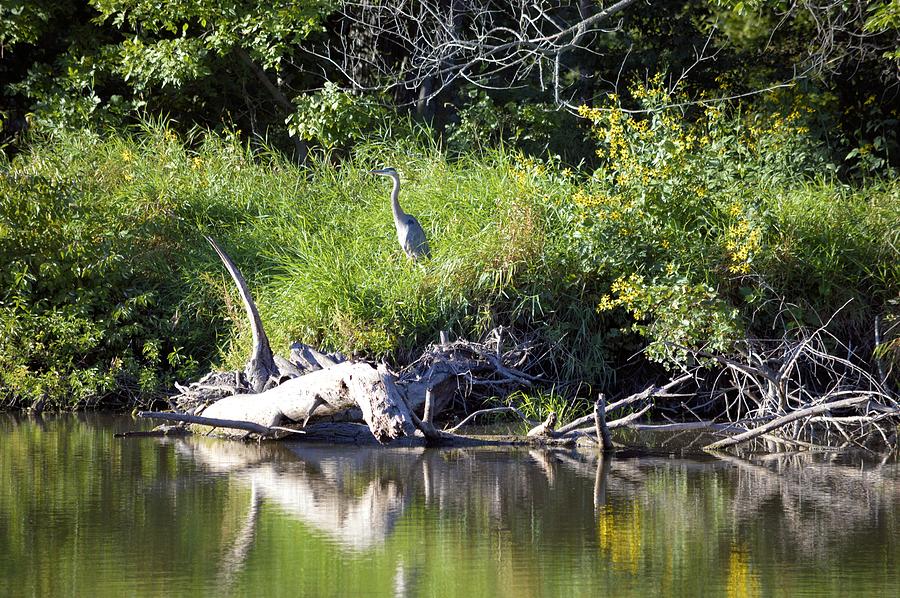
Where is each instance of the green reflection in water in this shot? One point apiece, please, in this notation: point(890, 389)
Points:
point(82, 513)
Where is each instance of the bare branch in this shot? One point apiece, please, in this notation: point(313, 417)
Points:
point(261, 366)
point(784, 420)
point(430, 45)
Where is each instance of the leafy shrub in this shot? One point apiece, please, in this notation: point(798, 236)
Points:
point(529, 125)
point(690, 228)
point(694, 215)
point(333, 118)
point(94, 301)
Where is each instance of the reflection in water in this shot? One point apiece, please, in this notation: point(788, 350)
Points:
point(81, 512)
point(320, 487)
point(236, 556)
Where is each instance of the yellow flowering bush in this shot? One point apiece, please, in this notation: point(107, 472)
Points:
point(678, 212)
point(674, 313)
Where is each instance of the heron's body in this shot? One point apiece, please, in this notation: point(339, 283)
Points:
point(412, 238)
point(410, 233)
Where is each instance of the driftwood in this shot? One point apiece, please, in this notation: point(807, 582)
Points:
point(232, 424)
point(784, 420)
point(274, 394)
point(645, 395)
point(310, 386)
point(792, 380)
point(348, 390)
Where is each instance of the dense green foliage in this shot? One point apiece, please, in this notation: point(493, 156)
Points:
point(103, 238)
point(693, 233)
point(103, 61)
point(270, 70)
point(95, 257)
point(711, 222)
point(715, 200)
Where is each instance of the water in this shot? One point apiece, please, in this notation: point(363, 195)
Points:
point(86, 514)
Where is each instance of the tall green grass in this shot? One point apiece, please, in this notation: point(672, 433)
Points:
point(121, 255)
point(109, 290)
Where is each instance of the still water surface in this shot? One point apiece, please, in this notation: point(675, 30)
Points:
point(86, 514)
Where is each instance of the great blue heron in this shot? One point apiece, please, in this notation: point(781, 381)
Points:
point(409, 231)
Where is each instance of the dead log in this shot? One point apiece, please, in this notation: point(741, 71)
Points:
point(342, 392)
point(385, 410)
point(424, 425)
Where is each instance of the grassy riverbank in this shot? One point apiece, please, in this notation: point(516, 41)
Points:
point(696, 232)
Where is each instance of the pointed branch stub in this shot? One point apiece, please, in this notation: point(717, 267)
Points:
point(260, 368)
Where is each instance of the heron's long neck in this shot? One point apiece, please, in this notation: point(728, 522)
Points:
point(395, 203)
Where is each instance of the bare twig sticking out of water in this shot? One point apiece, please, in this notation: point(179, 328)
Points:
point(603, 434)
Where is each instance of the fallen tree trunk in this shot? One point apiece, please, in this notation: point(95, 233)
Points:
point(313, 387)
point(342, 392)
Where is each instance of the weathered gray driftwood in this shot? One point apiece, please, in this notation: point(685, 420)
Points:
point(344, 391)
point(644, 395)
point(311, 385)
point(275, 395)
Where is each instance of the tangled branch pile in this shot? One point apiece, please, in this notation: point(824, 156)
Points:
point(811, 389)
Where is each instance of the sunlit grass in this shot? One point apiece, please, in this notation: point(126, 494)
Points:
point(108, 287)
